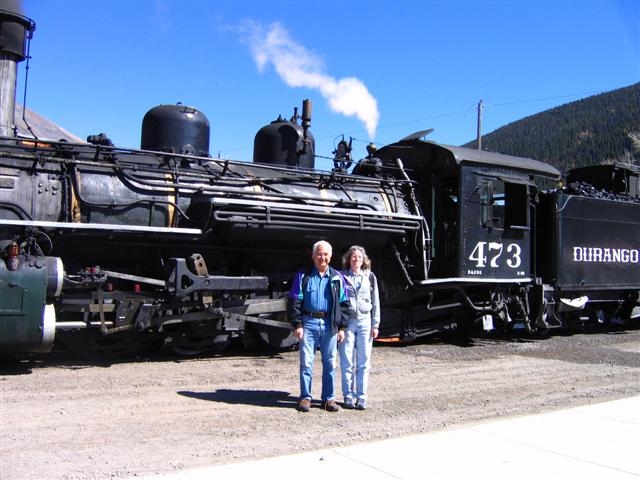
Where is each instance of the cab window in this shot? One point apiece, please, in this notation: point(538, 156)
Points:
point(504, 205)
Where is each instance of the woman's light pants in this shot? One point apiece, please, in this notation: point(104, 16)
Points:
point(355, 355)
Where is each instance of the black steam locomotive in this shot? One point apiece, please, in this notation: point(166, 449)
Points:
point(170, 246)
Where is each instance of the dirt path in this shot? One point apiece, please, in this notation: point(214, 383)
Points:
point(67, 418)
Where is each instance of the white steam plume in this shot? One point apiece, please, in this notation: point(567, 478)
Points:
point(298, 67)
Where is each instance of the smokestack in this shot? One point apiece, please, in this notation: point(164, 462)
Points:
point(15, 30)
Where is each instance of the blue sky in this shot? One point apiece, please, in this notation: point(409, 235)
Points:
point(375, 70)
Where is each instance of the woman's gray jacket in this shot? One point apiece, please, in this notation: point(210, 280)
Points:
point(364, 302)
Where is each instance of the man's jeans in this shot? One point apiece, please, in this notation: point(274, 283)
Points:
point(355, 350)
point(317, 332)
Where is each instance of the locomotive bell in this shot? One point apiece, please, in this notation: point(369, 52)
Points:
point(176, 129)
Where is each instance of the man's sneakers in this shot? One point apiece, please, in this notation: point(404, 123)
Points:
point(330, 406)
point(348, 403)
point(304, 405)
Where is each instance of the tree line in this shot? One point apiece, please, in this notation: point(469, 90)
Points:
point(600, 129)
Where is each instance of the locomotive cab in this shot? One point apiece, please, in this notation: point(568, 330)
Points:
point(478, 208)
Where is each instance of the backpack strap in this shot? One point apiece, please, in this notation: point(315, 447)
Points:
point(372, 280)
point(305, 280)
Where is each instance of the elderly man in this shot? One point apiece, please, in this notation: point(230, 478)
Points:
point(318, 309)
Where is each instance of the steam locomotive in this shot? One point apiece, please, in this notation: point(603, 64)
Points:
point(170, 246)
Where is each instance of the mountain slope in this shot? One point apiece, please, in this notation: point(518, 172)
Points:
point(42, 127)
point(590, 131)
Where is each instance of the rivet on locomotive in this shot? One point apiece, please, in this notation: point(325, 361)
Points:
point(170, 246)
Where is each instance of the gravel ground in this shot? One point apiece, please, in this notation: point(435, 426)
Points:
point(65, 416)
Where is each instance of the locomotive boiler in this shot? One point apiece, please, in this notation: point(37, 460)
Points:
point(168, 247)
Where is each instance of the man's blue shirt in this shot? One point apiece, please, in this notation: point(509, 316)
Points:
point(322, 294)
point(318, 296)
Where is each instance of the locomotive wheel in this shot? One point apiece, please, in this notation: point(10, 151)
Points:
point(466, 325)
point(196, 339)
point(195, 350)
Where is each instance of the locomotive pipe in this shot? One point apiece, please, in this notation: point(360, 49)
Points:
point(306, 114)
point(306, 124)
point(330, 221)
point(80, 325)
point(405, 273)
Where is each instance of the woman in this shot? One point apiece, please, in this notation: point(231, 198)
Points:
point(364, 320)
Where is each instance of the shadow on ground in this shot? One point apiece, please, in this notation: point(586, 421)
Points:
point(258, 398)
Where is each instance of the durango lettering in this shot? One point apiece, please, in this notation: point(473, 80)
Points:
point(605, 255)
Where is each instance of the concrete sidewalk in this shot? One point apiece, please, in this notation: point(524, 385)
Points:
point(599, 441)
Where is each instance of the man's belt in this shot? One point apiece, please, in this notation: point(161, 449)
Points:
point(316, 314)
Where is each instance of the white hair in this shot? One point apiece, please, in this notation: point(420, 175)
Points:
point(324, 243)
